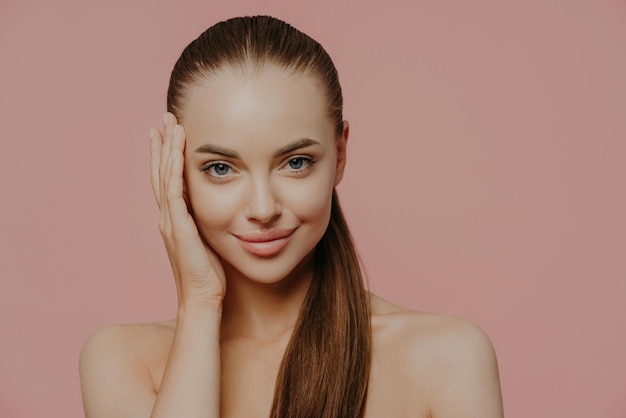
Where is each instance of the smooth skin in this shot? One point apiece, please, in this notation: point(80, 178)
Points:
point(220, 356)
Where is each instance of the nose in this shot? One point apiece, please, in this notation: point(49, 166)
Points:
point(263, 206)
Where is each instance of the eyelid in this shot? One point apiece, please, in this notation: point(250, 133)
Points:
point(212, 163)
point(206, 167)
point(309, 161)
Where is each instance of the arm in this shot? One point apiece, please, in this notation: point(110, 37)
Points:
point(114, 379)
point(191, 382)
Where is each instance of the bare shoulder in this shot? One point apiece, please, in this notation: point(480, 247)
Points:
point(135, 343)
point(121, 360)
point(122, 336)
point(449, 360)
point(135, 332)
point(424, 330)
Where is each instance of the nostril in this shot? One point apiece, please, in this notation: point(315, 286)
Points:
point(264, 210)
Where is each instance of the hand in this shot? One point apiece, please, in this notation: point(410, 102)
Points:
point(197, 269)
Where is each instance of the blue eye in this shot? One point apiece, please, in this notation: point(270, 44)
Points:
point(299, 163)
point(217, 169)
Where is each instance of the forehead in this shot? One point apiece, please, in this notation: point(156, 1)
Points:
point(270, 105)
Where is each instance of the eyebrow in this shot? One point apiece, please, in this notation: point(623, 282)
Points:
point(296, 145)
point(214, 149)
point(300, 143)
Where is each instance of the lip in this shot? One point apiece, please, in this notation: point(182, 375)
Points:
point(265, 243)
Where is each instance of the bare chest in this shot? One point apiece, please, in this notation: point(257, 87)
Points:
point(250, 369)
point(249, 372)
point(248, 387)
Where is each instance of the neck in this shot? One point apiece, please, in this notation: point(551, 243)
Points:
point(265, 311)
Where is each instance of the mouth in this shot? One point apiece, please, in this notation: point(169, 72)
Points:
point(265, 243)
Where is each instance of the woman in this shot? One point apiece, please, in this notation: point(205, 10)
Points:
point(273, 318)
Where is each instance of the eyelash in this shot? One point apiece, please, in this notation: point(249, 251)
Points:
point(307, 161)
point(208, 167)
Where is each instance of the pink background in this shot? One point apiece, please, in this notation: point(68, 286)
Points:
point(486, 179)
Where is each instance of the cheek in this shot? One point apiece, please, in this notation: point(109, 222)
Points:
point(213, 207)
point(310, 199)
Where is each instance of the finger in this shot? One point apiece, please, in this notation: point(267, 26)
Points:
point(185, 187)
point(169, 121)
point(185, 192)
point(156, 143)
point(177, 207)
point(167, 131)
point(173, 182)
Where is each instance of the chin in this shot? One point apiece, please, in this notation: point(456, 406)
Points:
point(271, 271)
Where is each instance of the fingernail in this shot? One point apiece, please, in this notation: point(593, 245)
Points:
point(176, 130)
point(165, 118)
point(151, 133)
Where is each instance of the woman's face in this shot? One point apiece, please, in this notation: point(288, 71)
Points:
point(261, 162)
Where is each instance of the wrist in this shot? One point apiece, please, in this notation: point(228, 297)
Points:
point(195, 308)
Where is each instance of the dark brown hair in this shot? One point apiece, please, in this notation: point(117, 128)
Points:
point(325, 369)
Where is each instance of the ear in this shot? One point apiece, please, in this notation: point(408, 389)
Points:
point(341, 152)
